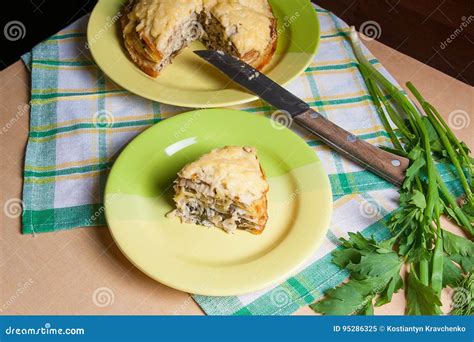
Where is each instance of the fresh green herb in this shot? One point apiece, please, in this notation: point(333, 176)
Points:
point(456, 244)
point(459, 251)
point(436, 258)
point(451, 273)
point(421, 299)
point(375, 276)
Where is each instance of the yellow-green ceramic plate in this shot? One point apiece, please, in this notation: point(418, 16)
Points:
point(189, 81)
point(204, 260)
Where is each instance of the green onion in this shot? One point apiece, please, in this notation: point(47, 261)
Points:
point(417, 235)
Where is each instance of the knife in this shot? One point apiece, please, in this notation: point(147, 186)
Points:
point(387, 165)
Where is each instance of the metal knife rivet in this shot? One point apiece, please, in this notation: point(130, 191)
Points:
point(314, 115)
point(396, 162)
point(351, 138)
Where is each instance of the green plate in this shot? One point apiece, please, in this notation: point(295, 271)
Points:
point(204, 260)
point(191, 82)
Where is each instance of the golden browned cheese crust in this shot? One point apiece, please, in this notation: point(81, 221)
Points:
point(225, 188)
point(154, 31)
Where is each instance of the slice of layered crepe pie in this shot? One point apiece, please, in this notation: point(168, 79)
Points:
point(225, 188)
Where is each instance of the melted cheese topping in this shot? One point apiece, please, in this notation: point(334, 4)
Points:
point(247, 22)
point(231, 172)
point(157, 19)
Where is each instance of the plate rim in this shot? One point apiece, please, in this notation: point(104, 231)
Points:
point(245, 98)
point(221, 292)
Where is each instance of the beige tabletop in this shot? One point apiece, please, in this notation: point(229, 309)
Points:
point(81, 271)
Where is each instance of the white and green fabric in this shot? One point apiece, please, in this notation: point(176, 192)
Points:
point(80, 121)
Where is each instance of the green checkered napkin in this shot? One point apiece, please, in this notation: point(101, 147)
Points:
point(73, 142)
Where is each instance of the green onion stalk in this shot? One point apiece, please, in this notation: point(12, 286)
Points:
point(415, 133)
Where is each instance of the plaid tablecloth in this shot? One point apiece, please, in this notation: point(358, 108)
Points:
point(72, 146)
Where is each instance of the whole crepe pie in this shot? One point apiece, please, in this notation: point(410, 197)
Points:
point(154, 31)
point(225, 188)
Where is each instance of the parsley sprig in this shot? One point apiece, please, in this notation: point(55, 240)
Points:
point(435, 258)
point(375, 276)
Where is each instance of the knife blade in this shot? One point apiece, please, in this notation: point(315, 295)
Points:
point(387, 165)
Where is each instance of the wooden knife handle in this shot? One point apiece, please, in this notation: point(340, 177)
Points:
point(385, 164)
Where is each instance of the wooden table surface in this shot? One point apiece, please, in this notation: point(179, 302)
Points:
point(58, 273)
